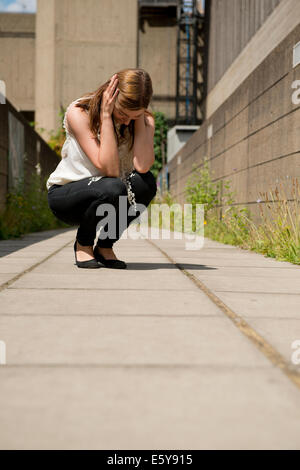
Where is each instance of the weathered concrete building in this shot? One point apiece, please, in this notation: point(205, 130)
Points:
point(251, 131)
point(70, 47)
point(17, 60)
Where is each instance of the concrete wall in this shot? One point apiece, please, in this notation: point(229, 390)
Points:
point(282, 21)
point(255, 140)
point(232, 25)
point(17, 58)
point(157, 53)
point(79, 46)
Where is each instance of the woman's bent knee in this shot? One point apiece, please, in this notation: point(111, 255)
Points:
point(112, 188)
point(151, 183)
point(144, 187)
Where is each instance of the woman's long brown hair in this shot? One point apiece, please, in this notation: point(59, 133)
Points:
point(136, 91)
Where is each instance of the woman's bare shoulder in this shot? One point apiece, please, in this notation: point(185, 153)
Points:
point(75, 112)
point(76, 116)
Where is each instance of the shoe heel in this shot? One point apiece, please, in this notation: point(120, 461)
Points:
point(91, 263)
point(109, 263)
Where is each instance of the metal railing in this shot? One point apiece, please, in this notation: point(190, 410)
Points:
point(22, 151)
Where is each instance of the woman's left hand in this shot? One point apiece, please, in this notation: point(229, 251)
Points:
point(143, 147)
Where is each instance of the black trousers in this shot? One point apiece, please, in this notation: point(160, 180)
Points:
point(77, 202)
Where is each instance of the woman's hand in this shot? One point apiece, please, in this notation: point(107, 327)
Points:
point(109, 97)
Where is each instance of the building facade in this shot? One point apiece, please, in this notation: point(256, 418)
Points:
point(70, 47)
point(251, 131)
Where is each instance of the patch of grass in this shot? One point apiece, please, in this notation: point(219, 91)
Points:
point(276, 235)
point(26, 210)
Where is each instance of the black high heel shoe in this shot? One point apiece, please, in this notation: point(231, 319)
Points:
point(109, 263)
point(90, 263)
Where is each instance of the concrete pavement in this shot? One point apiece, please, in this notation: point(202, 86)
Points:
point(182, 350)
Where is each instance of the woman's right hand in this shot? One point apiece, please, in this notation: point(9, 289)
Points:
point(109, 97)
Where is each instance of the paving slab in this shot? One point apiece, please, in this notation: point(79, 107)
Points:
point(126, 340)
point(154, 407)
point(263, 305)
point(92, 302)
point(104, 278)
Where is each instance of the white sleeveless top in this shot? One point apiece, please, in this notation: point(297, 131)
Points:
point(75, 165)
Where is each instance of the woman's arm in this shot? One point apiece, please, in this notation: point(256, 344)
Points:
point(109, 155)
point(104, 156)
point(143, 147)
